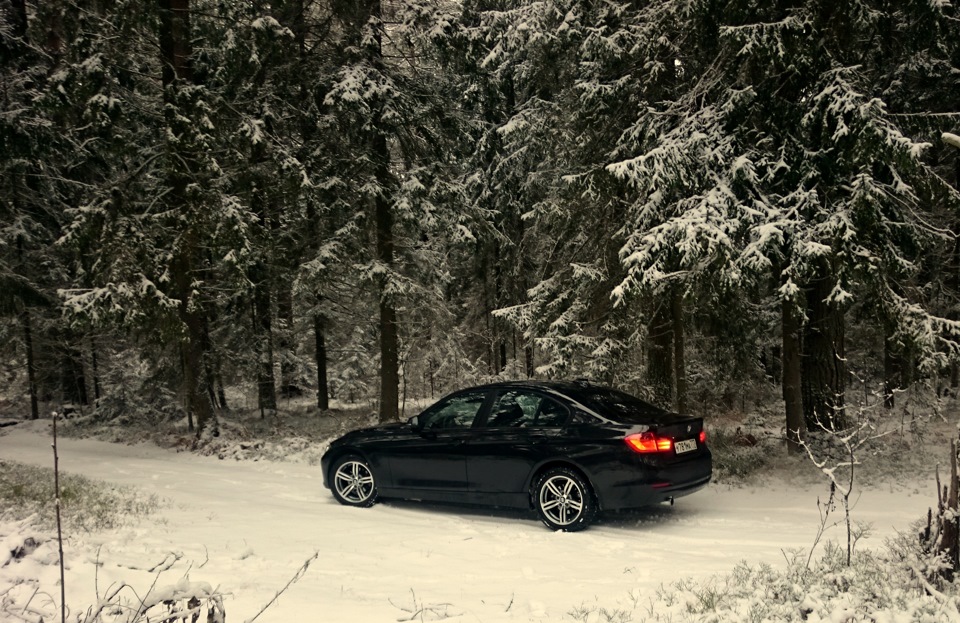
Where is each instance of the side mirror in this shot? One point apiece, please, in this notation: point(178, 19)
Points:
point(414, 422)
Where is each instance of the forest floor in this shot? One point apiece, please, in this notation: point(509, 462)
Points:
point(243, 515)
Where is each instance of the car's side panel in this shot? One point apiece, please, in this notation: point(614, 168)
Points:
point(428, 461)
point(431, 462)
point(503, 453)
point(500, 460)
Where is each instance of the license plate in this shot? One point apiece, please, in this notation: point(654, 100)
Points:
point(687, 445)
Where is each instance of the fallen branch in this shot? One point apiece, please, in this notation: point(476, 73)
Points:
point(927, 586)
point(166, 563)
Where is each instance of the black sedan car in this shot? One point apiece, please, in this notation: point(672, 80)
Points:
point(566, 449)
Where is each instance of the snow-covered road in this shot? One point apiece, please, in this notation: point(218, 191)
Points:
point(248, 526)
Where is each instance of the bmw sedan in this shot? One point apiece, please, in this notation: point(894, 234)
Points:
point(568, 450)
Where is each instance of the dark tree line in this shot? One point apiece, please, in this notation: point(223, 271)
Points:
point(393, 198)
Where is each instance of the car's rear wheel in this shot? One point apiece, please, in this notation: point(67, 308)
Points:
point(564, 500)
point(353, 482)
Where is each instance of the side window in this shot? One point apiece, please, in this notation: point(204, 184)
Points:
point(457, 412)
point(521, 409)
point(512, 410)
point(551, 414)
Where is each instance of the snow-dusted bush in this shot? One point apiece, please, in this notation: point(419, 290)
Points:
point(86, 504)
point(26, 550)
point(137, 399)
point(886, 585)
point(182, 601)
point(738, 454)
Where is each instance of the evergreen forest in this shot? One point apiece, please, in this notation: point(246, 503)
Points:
point(707, 203)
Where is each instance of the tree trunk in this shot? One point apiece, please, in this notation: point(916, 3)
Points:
point(770, 361)
point(389, 364)
point(679, 359)
point(28, 344)
point(266, 383)
point(891, 370)
point(221, 394)
point(954, 280)
point(175, 45)
point(389, 335)
point(949, 545)
point(660, 354)
point(791, 383)
point(11, 48)
point(383, 219)
point(498, 346)
point(288, 381)
point(213, 367)
point(73, 382)
point(18, 18)
point(195, 391)
point(824, 369)
point(31, 363)
point(323, 389)
point(210, 362)
point(95, 369)
point(176, 51)
point(389, 338)
point(183, 373)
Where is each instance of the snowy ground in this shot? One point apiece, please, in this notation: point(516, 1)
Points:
point(247, 527)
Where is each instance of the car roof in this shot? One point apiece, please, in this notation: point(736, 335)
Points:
point(564, 386)
point(578, 389)
point(581, 391)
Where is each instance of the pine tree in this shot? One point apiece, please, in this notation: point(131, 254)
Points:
point(32, 161)
point(392, 129)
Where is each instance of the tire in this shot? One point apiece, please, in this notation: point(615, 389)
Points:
point(352, 481)
point(564, 500)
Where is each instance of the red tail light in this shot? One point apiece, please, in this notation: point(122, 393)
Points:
point(702, 437)
point(645, 443)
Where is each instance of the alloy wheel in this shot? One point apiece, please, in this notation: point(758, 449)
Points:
point(354, 482)
point(561, 500)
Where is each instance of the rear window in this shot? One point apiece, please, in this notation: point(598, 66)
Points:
point(624, 407)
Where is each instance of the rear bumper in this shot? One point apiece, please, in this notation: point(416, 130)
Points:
point(646, 487)
point(670, 490)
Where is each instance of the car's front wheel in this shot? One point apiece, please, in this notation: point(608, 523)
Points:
point(353, 482)
point(564, 500)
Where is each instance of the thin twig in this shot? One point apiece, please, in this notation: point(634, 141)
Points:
point(56, 491)
point(36, 589)
point(296, 576)
point(96, 574)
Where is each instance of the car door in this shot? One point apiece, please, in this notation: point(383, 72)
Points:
point(429, 463)
point(510, 442)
